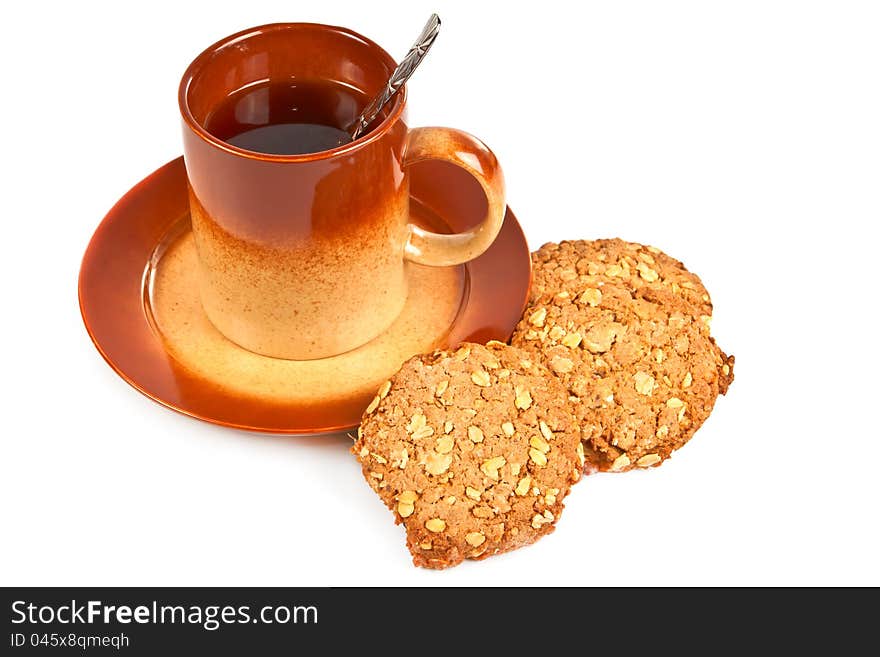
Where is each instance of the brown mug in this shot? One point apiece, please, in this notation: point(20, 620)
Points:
point(303, 256)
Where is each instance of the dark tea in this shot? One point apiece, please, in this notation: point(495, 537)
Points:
point(289, 118)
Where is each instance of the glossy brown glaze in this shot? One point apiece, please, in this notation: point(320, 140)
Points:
point(303, 256)
point(189, 370)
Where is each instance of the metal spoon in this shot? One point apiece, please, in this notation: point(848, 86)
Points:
point(400, 75)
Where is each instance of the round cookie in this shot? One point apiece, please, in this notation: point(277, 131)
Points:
point(576, 265)
point(473, 451)
point(642, 371)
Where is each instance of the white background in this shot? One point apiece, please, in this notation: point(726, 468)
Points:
point(741, 137)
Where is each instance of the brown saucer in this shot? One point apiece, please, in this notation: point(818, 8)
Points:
point(139, 300)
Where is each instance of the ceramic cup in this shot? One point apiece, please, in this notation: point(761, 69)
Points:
point(303, 256)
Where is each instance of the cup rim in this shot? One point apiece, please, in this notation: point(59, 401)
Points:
point(201, 59)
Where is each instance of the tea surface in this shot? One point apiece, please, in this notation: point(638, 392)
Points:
point(290, 118)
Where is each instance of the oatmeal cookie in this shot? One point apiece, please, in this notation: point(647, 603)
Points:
point(576, 265)
point(637, 360)
point(473, 451)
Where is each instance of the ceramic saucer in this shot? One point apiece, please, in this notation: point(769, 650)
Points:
point(138, 295)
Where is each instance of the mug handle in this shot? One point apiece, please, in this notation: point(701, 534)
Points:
point(466, 151)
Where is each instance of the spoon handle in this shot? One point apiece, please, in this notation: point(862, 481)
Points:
point(401, 74)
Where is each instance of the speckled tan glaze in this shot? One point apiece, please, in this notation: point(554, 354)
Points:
point(308, 298)
point(303, 257)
